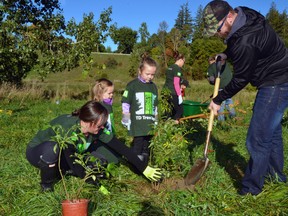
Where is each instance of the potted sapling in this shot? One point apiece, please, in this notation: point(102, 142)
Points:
point(70, 139)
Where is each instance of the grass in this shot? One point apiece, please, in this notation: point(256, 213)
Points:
point(23, 113)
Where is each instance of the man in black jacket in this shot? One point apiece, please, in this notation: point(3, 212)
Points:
point(259, 57)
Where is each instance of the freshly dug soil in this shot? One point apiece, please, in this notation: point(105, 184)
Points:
point(172, 184)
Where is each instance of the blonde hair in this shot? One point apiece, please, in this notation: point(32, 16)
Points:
point(99, 89)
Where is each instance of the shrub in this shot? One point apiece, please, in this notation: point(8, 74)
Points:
point(165, 108)
point(111, 63)
point(169, 147)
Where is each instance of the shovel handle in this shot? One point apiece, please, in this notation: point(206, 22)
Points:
point(211, 117)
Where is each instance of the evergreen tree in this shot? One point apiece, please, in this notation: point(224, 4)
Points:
point(284, 32)
point(273, 16)
point(279, 22)
point(184, 23)
point(198, 24)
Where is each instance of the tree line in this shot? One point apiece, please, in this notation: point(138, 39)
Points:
point(35, 37)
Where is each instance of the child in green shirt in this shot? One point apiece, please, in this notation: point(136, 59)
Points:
point(139, 107)
point(103, 91)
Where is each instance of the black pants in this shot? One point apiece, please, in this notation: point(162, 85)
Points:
point(177, 110)
point(141, 144)
point(44, 157)
point(128, 153)
point(109, 154)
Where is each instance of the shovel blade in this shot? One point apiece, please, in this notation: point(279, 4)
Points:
point(196, 171)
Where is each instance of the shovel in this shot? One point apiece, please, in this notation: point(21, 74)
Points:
point(201, 164)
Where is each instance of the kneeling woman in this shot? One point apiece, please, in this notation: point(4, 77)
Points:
point(88, 120)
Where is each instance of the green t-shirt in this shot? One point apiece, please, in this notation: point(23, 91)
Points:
point(67, 122)
point(110, 125)
point(143, 100)
point(225, 76)
point(171, 72)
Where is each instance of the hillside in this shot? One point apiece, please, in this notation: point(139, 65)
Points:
point(75, 83)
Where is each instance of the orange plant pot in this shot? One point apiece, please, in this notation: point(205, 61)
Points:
point(78, 207)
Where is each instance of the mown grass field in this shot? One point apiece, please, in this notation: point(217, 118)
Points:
point(24, 112)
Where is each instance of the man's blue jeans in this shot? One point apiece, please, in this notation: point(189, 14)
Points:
point(228, 105)
point(264, 139)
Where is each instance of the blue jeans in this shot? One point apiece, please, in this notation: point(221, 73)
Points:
point(228, 105)
point(264, 139)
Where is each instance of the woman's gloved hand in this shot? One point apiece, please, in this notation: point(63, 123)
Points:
point(153, 174)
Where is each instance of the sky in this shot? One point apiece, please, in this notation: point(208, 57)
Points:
point(131, 13)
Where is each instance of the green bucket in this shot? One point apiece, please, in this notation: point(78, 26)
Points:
point(193, 108)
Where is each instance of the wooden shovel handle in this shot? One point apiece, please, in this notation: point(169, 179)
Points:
point(215, 93)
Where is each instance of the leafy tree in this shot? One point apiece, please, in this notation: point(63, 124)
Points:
point(134, 60)
point(162, 34)
point(156, 47)
point(155, 50)
point(88, 35)
point(124, 37)
point(108, 49)
point(24, 25)
point(175, 38)
point(184, 23)
point(144, 45)
point(153, 41)
point(187, 67)
point(200, 51)
point(33, 37)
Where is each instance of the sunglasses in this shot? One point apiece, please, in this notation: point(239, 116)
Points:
point(219, 28)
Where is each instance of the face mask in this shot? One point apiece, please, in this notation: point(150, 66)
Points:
point(108, 101)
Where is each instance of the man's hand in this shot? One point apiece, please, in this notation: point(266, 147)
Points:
point(214, 108)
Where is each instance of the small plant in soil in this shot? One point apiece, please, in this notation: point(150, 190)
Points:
point(65, 138)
